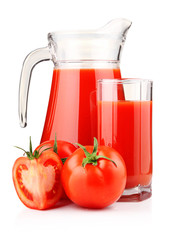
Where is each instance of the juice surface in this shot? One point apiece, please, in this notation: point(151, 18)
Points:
point(72, 111)
point(126, 126)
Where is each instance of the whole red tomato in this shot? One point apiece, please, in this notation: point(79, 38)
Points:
point(94, 177)
point(36, 178)
point(62, 148)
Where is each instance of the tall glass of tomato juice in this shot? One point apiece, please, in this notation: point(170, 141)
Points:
point(126, 125)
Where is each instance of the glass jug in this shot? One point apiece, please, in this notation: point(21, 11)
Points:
point(80, 58)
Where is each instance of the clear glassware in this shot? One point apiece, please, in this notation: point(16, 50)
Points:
point(80, 58)
point(126, 125)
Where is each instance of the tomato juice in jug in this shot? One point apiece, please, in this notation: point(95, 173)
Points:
point(71, 111)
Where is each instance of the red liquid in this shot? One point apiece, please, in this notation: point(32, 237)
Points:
point(127, 127)
point(72, 105)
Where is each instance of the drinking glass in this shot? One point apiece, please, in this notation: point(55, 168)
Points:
point(126, 125)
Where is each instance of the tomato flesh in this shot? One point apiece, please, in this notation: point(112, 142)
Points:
point(20, 182)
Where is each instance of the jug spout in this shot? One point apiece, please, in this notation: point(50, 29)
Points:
point(116, 31)
point(117, 27)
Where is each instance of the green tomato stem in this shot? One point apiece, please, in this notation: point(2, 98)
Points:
point(30, 154)
point(92, 158)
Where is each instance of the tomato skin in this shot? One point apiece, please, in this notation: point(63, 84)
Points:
point(94, 186)
point(37, 181)
point(65, 149)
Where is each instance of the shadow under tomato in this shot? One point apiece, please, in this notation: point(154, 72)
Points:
point(108, 208)
point(61, 203)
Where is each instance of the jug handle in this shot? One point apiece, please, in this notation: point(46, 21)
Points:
point(36, 56)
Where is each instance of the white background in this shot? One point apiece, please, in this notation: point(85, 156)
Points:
point(147, 54)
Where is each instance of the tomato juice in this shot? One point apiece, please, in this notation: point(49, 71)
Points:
point(72, 104)
point(127, 127)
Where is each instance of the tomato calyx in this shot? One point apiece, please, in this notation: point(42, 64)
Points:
point(55, 149)
point(30, 153)
point(93, 157)
point(63, 160)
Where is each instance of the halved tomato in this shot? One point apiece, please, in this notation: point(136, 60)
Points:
point(37, 180)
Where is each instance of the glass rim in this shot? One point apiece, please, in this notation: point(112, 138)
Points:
point(124, 80)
